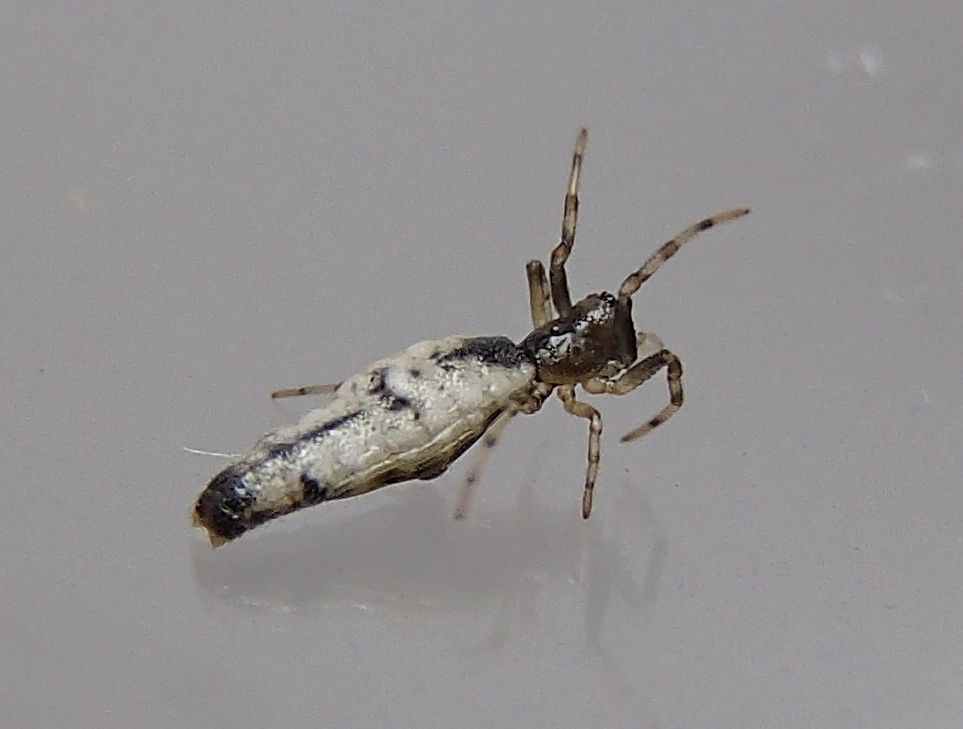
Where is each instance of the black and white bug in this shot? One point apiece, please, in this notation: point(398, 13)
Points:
point(411, 415)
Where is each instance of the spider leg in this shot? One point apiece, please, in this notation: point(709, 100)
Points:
point(560, 295)
point(538, 301)
point(528, 403)
point(307, 390)
point(634, 280)
point(488, 443)
point(637, 374)
point(566, 394)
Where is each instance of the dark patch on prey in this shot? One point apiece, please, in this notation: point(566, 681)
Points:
point(389, 398)
point(314, 492)
point(224, 505)
point(281, 450)
point(500, 351)
point(395, 402)
point(379, 383)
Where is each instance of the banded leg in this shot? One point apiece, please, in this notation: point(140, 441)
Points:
point(560, 295)
point(635, 376)
point(308, 390)
point(488, 443)
point(566, 394)
point(669, 249)
point(528, 403)
point(538, 293)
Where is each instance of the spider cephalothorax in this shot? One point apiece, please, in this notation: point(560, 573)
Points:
point(596, 338)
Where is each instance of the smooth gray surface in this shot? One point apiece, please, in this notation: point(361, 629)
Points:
point(203, 202)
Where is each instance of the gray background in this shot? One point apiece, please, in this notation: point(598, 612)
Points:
point(202, 202)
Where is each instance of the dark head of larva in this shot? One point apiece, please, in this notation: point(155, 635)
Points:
point(595, 337)
point(223, 508)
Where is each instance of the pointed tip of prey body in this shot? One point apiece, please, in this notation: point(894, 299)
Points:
point(216, 539)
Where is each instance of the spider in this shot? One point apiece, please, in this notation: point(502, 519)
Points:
point(411, 415)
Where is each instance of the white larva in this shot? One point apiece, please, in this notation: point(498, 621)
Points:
point(404, 417)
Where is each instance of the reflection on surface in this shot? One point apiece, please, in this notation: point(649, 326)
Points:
point(406, 556)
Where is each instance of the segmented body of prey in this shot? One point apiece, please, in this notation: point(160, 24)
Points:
point(410, 416)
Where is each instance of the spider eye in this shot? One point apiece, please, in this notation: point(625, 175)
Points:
point(556, 329)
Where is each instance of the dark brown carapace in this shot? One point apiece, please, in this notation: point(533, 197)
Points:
point(596, 338)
